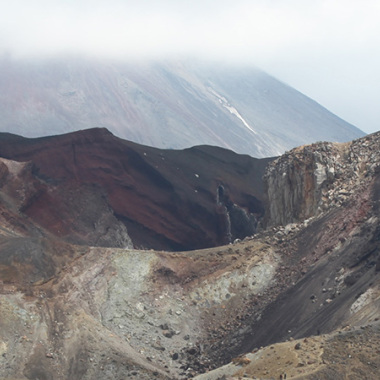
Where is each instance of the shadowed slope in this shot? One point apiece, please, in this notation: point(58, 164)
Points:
point(199, 197)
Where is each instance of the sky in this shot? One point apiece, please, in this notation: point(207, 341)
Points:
point(327, 49)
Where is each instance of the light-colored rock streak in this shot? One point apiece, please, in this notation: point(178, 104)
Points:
point(224, 102)
point(235, 112)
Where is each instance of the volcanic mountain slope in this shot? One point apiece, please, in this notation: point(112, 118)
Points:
point(169, 105)
point(308, 291)
point(93, 188)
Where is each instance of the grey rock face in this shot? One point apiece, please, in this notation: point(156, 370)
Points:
point(309, 180)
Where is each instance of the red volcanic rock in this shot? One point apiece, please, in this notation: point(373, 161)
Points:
point(91, 185)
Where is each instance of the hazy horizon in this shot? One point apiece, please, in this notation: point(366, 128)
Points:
point(328, 50)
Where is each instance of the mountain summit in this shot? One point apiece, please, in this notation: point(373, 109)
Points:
point(169, 105)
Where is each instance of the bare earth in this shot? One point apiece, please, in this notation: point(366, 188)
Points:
point(298, 300)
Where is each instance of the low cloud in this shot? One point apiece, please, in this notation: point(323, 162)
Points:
point(300, 42)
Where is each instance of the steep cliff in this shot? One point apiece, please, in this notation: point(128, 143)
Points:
point(310, 179)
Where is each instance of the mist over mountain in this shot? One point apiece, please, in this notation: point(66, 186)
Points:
point(171, 105)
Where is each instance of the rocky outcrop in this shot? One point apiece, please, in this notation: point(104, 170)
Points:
point(311, 179)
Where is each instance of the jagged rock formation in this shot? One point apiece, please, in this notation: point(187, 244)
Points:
point(309, 180)
point(308, 292)
point(169, 105)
